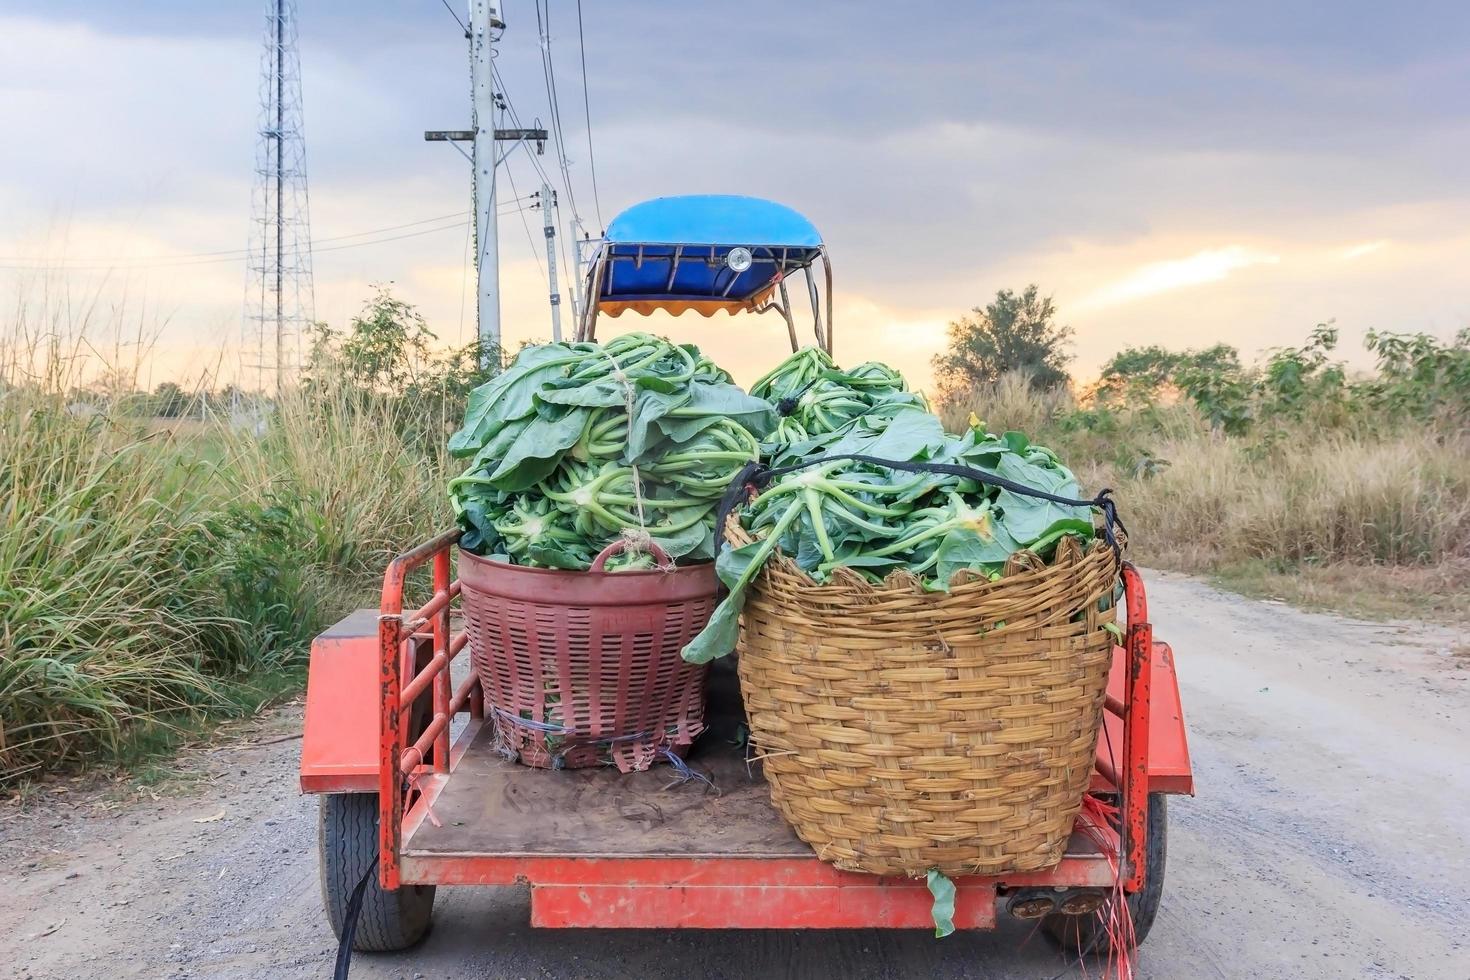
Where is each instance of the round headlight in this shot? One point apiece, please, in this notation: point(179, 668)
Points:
point(738, 259)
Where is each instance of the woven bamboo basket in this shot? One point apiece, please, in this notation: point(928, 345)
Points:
point(902, 730)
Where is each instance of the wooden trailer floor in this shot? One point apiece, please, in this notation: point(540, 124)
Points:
point(490, 806)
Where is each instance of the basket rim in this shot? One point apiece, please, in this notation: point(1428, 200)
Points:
point(779, 560)
point(631, 573)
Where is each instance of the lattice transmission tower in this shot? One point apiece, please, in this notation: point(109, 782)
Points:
point(278, 290)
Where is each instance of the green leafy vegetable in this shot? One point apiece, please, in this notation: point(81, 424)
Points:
point(824, 400)
point(874, 519)
point(573, 444)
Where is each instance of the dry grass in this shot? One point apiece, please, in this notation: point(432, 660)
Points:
point(1010, 403)
point(1435, 592)
point(97, 625)
point(157, 573)
point(151, 576)
point(1398, 501)
point(367, 484)
point(1374, 523)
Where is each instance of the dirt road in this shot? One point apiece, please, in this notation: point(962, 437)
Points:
point(1330, 838)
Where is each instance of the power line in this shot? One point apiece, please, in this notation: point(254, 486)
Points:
point(509, 175)
point(548, 72)
point(464, 278)
point(515, 119)
point(243, 255)
point(228, 253)
point(561, 246)
point(587, 112)
point(456, 17)
point(233, 251)
point(289, 252)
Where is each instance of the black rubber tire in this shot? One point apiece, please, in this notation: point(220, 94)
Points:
point(1083, 935)
point(347, 841)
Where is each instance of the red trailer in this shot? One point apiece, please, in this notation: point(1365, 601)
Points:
point(398, 747)
point(397, 744)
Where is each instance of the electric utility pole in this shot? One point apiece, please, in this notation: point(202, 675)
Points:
point(548, 225)
point(485, 19)
point(576, 271)
point(484, 30)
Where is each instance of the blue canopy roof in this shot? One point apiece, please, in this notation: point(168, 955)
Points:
point(712, 219)
point(669, 253)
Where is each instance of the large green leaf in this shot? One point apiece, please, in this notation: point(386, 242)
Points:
point(1031, 518)
point(908, 434)
point(720, 634)
point(509, 395)
point(492, 452)
point(983, 544)
point(734, 567)
point(551, 553)
point(537, 450)
point(710, 402)
point(608, 393)
point(680, 544)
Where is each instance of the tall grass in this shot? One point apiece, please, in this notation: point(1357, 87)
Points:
point(1386, 500)
point(146, 571)
point(1296, 497)
point(99, 622)
point(1009, 403)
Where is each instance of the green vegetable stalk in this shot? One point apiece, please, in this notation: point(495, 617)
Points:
point(841, 513)
point(574, 444)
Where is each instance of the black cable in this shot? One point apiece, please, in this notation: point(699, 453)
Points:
point(516, 119)
point(755, 476)
point(349, 923)
point(587, 112)
point(535, 162)
point(183, 257)
point(562, 247)
point(244, 255)
point(524, 224)
point(548, 71)
point(456, 18)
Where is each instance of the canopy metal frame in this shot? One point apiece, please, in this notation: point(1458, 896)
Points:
point(784, 260)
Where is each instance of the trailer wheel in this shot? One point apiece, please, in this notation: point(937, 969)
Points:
point(1084, 935)
point(347, 841)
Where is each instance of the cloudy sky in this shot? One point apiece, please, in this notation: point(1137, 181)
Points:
point(1172, 173)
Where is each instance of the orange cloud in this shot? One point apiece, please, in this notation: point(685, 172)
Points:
point(1211, 265)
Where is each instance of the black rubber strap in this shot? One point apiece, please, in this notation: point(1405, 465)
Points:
point(754, 477)
point(744, 485)
point(785, 406)
point(349, 923)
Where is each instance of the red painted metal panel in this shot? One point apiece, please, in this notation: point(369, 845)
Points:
point(1169, 767)
point(398, 762)
point(1079, 871)
point(900, 905)
point(390, 744)
point(339, 744)
point(1137, 703)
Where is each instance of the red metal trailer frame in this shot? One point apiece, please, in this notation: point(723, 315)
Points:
point(370, 683)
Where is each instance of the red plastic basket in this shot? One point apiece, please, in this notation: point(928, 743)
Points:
point(583, 668)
